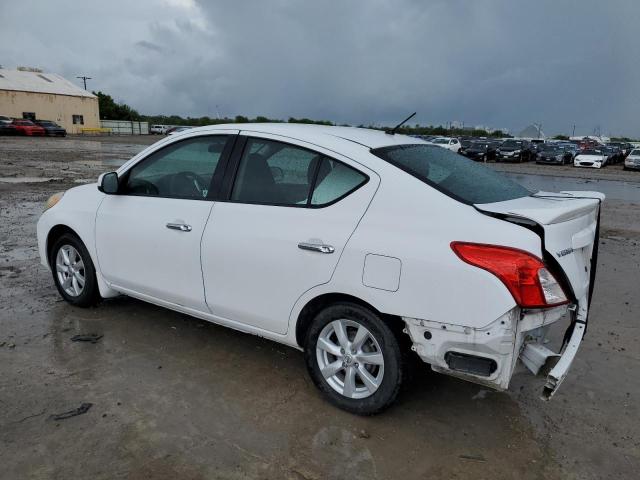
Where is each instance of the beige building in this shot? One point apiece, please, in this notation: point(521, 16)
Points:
point(26, 93)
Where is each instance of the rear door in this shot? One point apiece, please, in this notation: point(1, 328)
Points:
point(279, 228)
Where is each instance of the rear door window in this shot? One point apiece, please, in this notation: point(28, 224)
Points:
point(452, 174)
point(277, 173)
point(335, 180)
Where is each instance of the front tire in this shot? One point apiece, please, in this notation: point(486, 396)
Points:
point(73, 271)
point(354, 359)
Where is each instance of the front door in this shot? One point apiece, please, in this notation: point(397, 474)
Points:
point(148, 235)
point(280, 231)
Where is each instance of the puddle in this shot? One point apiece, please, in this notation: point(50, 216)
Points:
point(28, 179)
point(613, 189)
point(107, 162)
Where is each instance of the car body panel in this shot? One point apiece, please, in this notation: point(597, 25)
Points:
point(136, 251)
point(241, 267)
point(77, 211)
point(244, 244)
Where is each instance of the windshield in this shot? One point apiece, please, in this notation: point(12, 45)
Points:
point(551, 148)
point(441, 140)
point(481, 145)
point(452, 174)
point(512, 144)
point(635, 153)
point(591, 152)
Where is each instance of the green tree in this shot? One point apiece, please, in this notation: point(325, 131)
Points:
point(112, 110)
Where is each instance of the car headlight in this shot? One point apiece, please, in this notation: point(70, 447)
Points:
point(558, 157)
point(53, 199)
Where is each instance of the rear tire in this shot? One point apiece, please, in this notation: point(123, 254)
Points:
point(73, 271)
point(360, 356)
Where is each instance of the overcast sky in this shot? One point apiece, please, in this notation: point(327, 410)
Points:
point(501, 63)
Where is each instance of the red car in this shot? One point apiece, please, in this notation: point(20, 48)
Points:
point(27, 127)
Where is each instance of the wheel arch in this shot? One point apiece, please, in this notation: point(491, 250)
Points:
point(319, 302)
point(60, 229)
point(54, 234)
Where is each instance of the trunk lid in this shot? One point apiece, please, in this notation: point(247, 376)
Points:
point(570, 223)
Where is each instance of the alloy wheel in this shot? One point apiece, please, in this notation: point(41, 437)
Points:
point(70, 270)
point(350, 359)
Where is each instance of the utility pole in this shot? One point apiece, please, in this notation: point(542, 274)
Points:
point(84, 80)
point(574, 130)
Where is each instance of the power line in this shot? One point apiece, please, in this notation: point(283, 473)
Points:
point(84, 80)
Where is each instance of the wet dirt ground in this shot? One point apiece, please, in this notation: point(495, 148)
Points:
point(174, 397)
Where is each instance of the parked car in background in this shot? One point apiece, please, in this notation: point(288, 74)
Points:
point(51, 128)
point(624, 147)
point(613, 154)
point(158, 129)
point(571, 148)
point(513, 150)
point(632, 162)
point(481, 150)
point(588, 143)
point(452, 144)
point(593, 158)
point(554, 154)
point(464, 144)
point(27, 127)
point(6, 126)
point(377, 252)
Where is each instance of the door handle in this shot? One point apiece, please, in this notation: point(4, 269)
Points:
point(316, 247)
point(179, 226)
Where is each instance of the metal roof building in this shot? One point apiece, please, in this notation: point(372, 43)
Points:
point(33, 94)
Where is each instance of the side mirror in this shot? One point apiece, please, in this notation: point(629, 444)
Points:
point(108, 183)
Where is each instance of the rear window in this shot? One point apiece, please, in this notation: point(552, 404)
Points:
point(452, 174)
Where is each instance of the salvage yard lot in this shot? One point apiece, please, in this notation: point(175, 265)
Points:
point(174, 397)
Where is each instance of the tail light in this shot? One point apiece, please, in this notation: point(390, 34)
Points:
point(524, 274)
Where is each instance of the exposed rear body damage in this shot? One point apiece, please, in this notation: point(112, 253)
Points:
point(568, 225)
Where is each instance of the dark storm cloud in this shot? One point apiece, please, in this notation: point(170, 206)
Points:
point(501, 63)
point(149, 46)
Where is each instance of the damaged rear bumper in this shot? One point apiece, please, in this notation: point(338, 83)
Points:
point(488, 356)
point(559, 372)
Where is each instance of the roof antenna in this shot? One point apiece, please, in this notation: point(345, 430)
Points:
point(395, 129)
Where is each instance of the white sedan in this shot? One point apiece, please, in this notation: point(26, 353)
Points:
point(452, 144)
point(357, 246)
point(632, 162)
point(591, 158)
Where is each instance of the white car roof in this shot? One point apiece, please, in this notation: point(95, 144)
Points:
point(366, 137)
